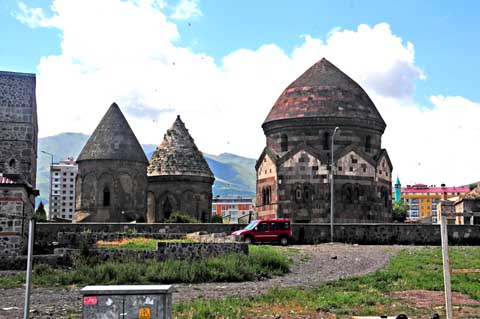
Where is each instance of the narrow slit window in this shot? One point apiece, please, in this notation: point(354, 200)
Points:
point(368, 144)
point(106, 197)
point(284, 143)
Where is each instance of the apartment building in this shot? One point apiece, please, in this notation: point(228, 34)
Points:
point(423, 200)
point(62, 189)
point(234, 210)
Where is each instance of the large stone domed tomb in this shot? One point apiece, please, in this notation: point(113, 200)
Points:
point(293, 171)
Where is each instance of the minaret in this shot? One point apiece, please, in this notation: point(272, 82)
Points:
point(398, 191)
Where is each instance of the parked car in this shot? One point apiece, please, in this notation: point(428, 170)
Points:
point(271, 230)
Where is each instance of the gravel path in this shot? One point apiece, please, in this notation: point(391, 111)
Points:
point(313, 265)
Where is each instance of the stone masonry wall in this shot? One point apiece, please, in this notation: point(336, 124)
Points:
point(15, 204)
point(381, 234)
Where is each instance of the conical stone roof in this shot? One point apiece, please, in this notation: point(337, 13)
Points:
point(113, 139)
point(325, 91)
point(473, 194)
point(178, 155)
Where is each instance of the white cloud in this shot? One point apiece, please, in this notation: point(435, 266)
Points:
point(126, 51)
point(186, 9)
point(33, 17)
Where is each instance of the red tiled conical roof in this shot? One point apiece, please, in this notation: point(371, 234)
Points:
point(324, 91)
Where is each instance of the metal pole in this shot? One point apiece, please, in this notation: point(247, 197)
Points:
point(446, 266)
point(49, 217)
point(26, 307)
point(332, 188)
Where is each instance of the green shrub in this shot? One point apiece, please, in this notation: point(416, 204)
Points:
point(181, 217)
point(216, 219)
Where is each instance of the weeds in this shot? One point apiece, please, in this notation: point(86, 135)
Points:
point(263, 262)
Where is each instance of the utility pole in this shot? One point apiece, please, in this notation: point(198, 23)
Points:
point(332, 187)
point(446, 266)
point(31, 230)
point(51, 177)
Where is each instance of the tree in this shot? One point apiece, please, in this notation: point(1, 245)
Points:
point(400, 211)
point(40, 213)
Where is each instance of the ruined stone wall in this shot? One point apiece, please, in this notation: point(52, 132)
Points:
point(171, 193)
point(18, 121)
point(15, 207)
point(126, 182)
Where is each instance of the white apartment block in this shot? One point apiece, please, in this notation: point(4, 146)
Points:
point(234, 210)
point(62, 189)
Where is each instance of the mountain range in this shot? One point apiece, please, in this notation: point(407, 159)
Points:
point(234, 174)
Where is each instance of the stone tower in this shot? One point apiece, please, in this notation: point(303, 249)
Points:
point(19, 129)
point(18, 158)
point(293, 170)
point(111, 185)
point(179, 178)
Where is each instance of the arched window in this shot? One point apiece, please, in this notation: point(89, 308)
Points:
point(167, 208)
point(347, 193)
point(368, 144)
point(106, 197)
point(298, 194)
point(284, 143)
point(356, 193)
point(266, 195)
point(326, 141)
point(385, 197)
point(12, 163)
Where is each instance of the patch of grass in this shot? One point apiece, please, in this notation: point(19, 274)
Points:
point(140, 243)
point(262, 262)
point(365, 295)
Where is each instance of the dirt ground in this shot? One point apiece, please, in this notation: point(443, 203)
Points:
point(312, 266)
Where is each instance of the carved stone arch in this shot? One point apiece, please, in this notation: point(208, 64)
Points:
point(126, 190)
point(205, 206)
point(89, 190)
point(139, 187)
point(385, 196)
point(357, 193)
point(347, 193)
point(151, 208)
point(298, 193)
point(308, 192)
point(166, 204)
point(186, 201)
point(106, 186)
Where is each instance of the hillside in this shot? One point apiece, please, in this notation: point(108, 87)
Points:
point(234, 175)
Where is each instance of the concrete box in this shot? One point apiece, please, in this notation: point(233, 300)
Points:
point(127, 302)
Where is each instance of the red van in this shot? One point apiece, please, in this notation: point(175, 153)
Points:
point(271, 230)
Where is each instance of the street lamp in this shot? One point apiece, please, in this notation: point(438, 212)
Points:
point(332, 188)
point(51, 176)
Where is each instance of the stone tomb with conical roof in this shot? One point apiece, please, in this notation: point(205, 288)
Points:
point(179, 178)
point(293, 170)
point(112, 181)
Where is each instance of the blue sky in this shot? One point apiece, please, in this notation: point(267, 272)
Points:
point(222, 64)
point(445, 33)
